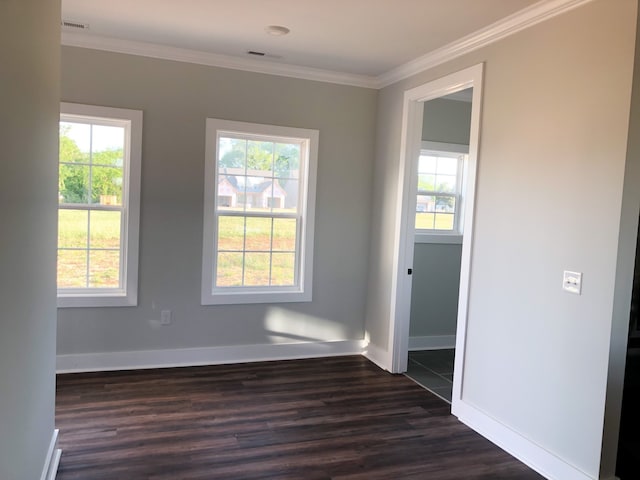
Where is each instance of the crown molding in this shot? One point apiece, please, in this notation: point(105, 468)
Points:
point(536, 13)
point(152, 50)
point(525, 18)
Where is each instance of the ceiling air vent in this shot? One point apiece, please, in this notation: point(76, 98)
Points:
point(256, 54)
point(74, 25)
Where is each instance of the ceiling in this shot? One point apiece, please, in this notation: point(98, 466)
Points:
point(356, 37)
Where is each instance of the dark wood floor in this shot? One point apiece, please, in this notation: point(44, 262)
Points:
point(334, 418)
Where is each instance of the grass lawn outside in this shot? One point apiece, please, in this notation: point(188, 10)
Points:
point(89, 250)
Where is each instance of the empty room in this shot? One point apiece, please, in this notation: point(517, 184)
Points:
point(228, 227)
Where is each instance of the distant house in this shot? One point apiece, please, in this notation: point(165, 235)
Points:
point(266, 194)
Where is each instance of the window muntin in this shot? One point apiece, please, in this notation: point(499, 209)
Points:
point(438, 193)
point(259, 222)
point(98, 201)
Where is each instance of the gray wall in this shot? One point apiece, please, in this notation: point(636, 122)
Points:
point(434, 292)
point(436, 277)
point(176, 99)
point(555, 119)
point(29, 83)
point(446, 121)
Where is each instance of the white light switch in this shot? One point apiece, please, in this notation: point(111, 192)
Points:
point(572, 282)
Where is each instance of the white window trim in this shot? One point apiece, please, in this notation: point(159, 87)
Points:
point(454, 236)
point(302, 292)
point(127, 295)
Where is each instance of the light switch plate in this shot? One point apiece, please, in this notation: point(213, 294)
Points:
point(572, 282)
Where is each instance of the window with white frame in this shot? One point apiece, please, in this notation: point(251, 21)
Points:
point(98, 205)
point(438, 199)
point(258, 213)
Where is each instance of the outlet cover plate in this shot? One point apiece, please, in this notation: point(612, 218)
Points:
point(572, 282)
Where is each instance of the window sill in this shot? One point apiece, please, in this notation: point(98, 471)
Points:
point(96, 300)
point(241, 298)
point(441, 238)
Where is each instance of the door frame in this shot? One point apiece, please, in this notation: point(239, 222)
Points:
point(413, 109)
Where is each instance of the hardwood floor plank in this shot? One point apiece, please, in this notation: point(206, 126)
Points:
point(320, 419)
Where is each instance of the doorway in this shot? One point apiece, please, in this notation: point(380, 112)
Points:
point(416, 157)
point(439, 228)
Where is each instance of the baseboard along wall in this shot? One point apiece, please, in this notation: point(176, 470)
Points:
point(50, 468)
point(183, 357)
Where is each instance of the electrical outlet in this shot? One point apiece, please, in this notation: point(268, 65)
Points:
point(165, 317)
point(572, 282)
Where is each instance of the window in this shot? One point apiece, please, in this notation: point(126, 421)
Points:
point(98, 206)
point(438, 199)
point(258, 213)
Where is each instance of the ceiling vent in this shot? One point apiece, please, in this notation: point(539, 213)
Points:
point(71, 25)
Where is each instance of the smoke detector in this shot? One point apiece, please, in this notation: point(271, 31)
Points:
point(277, 30)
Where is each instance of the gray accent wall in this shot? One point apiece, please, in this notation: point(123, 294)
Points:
point(29, 88)
point(176, 99)
point(555, 120)
point(434, 292)
point(446, 121)
point(436, 267)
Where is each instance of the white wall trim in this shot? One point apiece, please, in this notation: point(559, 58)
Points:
point(528, 17)
point(152, 50)
point(542, 461)
point(377, 355)
point(536, 13)
point(106, 361)
point(438, 238)
point(50, 468)
point(432, 342)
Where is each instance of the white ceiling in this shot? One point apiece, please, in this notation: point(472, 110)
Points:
point(357, 37)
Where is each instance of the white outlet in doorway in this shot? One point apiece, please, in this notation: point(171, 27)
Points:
point(572, 282)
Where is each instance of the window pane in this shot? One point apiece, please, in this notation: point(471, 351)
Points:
point(106, 185)
point(260, 158)
point(107, 145)
point(287, 160)
point(284, 234)
point(258, 234)
point(230, 192)
point(283, 269)
point(104, 268)
point(444, 221)
point(232, 154)
point(427, 164)
point(447, 165)
point(284, 196)
point(426, 182)
point(72, 268)
point(74, 142)
point(256, 269)
point(257, 192)
point(72, 228)
point(105, 229)
point(424, 221)
point(426, 203)
point(229, 269)
point(230, 233)
point(446, 183)
point(73, 184)
point(445, 204)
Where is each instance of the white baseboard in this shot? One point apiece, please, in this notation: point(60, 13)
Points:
point(433, 342)
point(96, 362)
point(542, 461)
point(378, 356)
point(50, 468)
